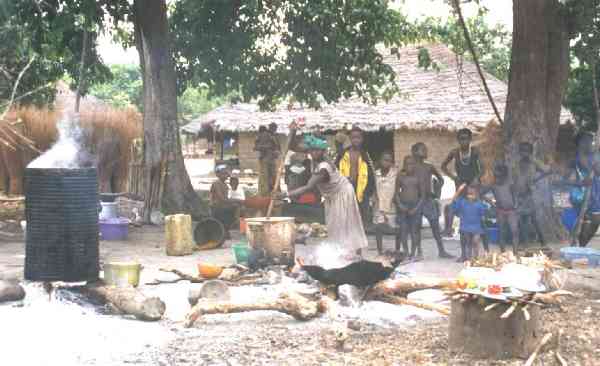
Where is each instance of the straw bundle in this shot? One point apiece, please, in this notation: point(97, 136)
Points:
point(108, 135)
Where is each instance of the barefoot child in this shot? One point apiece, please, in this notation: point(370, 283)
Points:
point(384, 210)
point(592, 219)
point(471, 210)
point(506, 205)
point(525, 175)
point(408, 200)
point(430, 208)
point(468, 169)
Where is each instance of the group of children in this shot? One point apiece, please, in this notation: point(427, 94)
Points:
point(418, 186)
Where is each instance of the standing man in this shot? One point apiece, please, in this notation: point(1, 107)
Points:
point(356, 165)
point(268, 149)
point(468, 169)
point(425, 171)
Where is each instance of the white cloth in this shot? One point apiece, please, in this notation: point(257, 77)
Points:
point(342, 215)
point(238, 194)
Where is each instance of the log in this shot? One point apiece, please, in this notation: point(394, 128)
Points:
point(288, 303)
point(444, 310)
point(484, 334)
point(128, 300)
point(10, 291)
point(406, 285)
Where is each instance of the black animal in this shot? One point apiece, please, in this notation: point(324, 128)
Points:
point(361, 274)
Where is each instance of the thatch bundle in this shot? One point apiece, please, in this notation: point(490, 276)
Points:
point(108, 134)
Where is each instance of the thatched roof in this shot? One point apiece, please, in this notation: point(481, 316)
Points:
point(445, 99)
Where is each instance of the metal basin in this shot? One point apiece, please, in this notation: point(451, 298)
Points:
point(276, 235)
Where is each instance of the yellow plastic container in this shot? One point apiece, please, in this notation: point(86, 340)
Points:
point(178, 230)
point(122, 274)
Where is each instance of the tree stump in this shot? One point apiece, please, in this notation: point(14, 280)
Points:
point(484, 334)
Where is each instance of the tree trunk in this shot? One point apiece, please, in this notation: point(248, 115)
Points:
point(539, 69)
point(167, 184)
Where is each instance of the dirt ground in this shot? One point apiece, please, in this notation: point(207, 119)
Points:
point(269, 338)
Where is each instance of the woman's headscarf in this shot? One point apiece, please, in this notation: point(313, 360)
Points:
point(312, 142)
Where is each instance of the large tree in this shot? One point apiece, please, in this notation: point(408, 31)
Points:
point(539, 71)
point(268, 49)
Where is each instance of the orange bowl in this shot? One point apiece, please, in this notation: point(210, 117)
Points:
point(209, 271)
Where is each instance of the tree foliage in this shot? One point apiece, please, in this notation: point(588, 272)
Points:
point(15, 52)
point(315, 51)
point(585, 15)
point(492, 43)
point(124, 87)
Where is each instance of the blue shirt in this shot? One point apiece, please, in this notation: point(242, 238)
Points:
point(595, 196)
point(471, 215)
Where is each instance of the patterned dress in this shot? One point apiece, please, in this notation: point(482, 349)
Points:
point(342, 215)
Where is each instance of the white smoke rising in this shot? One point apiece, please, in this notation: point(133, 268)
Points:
point(68, 152)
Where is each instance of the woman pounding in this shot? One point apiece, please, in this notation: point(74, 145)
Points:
point(342, 215)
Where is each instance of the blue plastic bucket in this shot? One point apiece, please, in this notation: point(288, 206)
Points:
point(569, 218)
point(492, 234)
point(572, 253)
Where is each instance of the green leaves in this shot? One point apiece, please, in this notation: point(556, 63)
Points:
point(316, 51)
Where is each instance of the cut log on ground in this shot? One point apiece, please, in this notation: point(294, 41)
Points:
point(406, 285)
point(129, 301)
point(444, 310)
point(288, 303)
point(484, 334)
point(10, 291)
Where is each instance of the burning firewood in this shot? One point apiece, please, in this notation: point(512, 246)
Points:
point(406, 285)
point(288, 303)
point(444, 310)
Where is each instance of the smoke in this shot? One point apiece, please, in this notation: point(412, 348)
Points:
point(333, 255)
point(69, 151)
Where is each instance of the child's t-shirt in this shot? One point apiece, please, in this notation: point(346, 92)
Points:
point(471, 215)
point(595, 196)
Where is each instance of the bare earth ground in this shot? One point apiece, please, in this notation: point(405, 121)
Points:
point(268, 338)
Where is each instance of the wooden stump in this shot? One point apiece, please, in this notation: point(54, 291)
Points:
point(484, 334)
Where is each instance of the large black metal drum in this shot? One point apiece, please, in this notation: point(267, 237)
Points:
point(61, 209)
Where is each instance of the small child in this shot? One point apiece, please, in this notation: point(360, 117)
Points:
point(592, 221)
point(408, 198)
point(525, 175)
point(384, 209)
point(468, 169)
point(470, 209)
point(506, 205)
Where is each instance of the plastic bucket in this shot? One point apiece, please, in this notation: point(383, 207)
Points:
point(207, 230)
point(569, 218)
point(572, 253)
point(114, 229)
point(241, 252)
point(492, 234)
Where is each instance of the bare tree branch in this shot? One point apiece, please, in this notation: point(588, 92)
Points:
point(12, 96)
point(476, 60)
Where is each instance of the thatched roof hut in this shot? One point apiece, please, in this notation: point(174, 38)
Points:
point(433, 104)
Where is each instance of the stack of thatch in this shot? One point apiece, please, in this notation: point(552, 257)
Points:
point(108, 135)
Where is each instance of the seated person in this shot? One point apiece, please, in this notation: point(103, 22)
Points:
point(222, 207)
